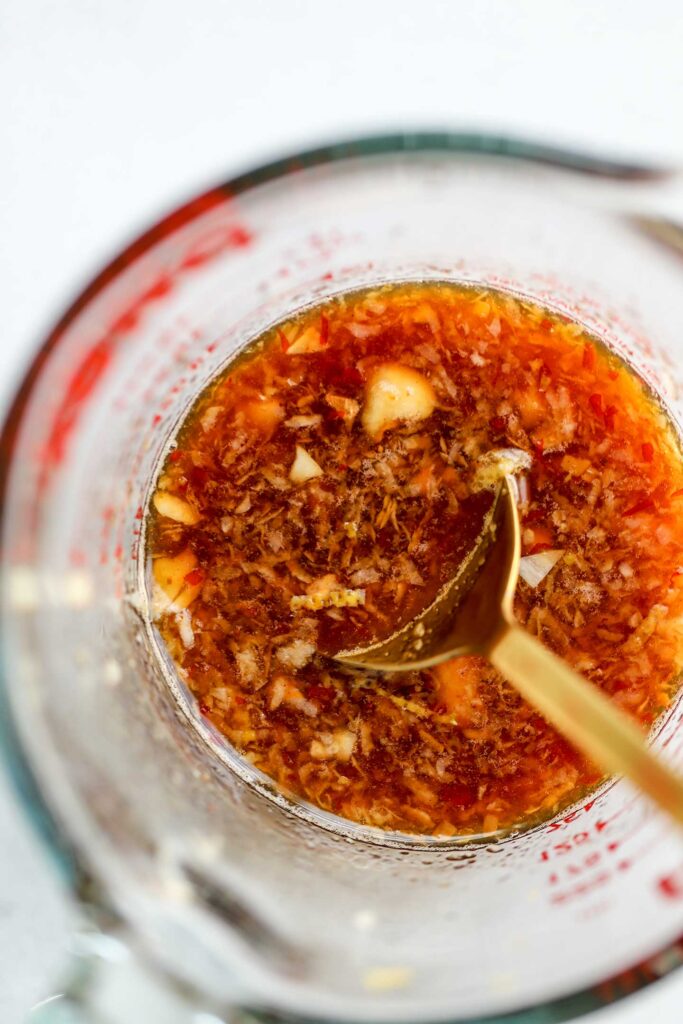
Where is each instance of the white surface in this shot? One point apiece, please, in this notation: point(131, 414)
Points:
point(112, 112)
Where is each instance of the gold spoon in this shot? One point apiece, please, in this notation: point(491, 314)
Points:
point(472, 614)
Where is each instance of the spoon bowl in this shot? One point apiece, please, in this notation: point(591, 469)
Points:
point(461, 618)
point(473, 614)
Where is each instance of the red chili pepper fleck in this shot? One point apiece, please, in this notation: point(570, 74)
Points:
point(324, 329)
point(322, 695)
point(175, 456)
point(194, 577)
point(459, 795)
point(198, 476)
point(350, 376)
point(538, 448)
point(328, 276)
point(204, 708)
point(648, 452)
point(498, 423)
point(546, 324)
point(138, 514)
point(283, 339)
point(613, 374)
point(644, 505)
point(239, 699)
point(595, 402)
point(588, 359)
point(610, 413)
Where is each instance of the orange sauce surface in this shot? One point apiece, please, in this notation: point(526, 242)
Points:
point(324, 487)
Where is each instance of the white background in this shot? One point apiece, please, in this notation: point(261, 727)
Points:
point(112, 112)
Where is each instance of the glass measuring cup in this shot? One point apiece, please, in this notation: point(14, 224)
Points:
point(210, 892)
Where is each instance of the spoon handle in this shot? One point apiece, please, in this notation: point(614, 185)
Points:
point(582, 713)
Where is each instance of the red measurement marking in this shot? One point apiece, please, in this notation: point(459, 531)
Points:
point(569, 844)
point(586, 864)
point(78, 389)
point(581, 890)
point(671, 886)
point(96, 360)
point(555, 825)
point(217, 240)
point(158, 290)
point(128, 321)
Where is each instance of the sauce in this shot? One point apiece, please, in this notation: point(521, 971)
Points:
point(324, 487)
